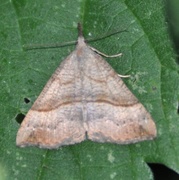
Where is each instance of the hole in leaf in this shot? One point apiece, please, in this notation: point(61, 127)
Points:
point(178, 108)
point(19, 118)
point(26, 100)
point(163, 172)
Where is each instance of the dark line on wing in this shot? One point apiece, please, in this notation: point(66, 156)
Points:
point(70, 102)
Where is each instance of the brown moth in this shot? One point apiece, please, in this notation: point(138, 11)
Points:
point(85, 99)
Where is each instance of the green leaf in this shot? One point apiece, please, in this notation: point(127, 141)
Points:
point(147, 56)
